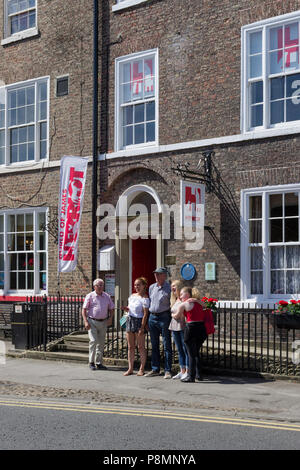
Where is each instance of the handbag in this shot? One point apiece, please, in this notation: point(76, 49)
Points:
point(123, 320)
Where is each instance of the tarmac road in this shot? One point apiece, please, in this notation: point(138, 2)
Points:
point(48, 404)
point(45, 425)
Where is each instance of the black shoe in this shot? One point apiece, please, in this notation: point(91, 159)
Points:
point(92, 366)
point(187, 379)
point(100, 367)
point(199, 378)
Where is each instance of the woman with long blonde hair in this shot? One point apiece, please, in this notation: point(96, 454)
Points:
point(177, 328)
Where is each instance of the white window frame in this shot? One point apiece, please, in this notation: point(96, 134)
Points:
point(26, 33)
point(262, 26)
point(118, 118)
point(244, 247)
point(35, 211)
point(122, 4)
point(4, 98)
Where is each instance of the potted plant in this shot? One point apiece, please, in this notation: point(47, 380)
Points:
point(211, 304)
point(287, 314)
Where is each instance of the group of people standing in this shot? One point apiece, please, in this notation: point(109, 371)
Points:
point(167, 309)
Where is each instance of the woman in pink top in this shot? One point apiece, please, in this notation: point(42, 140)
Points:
point(194, 333)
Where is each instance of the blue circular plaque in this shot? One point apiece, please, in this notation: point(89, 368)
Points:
point(188, 271)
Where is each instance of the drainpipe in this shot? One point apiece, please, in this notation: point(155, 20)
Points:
point(95, 140)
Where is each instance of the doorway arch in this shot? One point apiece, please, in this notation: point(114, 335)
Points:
point(130, 259)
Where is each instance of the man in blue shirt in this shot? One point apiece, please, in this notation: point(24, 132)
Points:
point(159, 321)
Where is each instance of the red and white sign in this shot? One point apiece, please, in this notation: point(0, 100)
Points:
point(72, 182)
point(192, 202)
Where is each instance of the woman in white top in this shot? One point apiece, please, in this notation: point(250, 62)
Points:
point(138, 307)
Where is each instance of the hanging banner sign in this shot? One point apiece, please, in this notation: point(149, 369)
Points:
point(192, 201)
point(72, 181)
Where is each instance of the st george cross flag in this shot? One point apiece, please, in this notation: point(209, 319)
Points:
point(72, 181)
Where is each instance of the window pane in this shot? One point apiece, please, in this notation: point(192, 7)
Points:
point(1, 262)
point(291, 204)
point(277, 257)
point(291, 230)
point(30, 94)
point(255, 66)
point(150, 111)
point(43, 281)
point(149, 78)
point(255, 42)
point(256, 282)
point(291, 58)
point(1, 242)
point(13, 261)
point(292, 110)
point(29, 241)
point(293, 282)
point(20, 242)
point(256, 258)
point(293, 256)
point(20, 223)
point(21, 262)
point(1, 223)
point(21, 97)
point(277, 88)
point(42, 91)
point(30, 154)
point(128, 135)
point(276, 230)
point(139, 134)
point(11, 242)
point(255, 231)
point(150, 132)
point(276, 62)
point(256, 115)
point(41, 220)
point(276, 41)
point(128, 115)
point(22, 281)
point(42, 245)
point(277, 282)
point(255, 211)
point(30, 281)
point(275, 205)
point(126, 73)
point(42, 261)
point(30, 261)
point(257, 92)
point(139, 113)
point(277, 112)
point(13, 281)
point(11, 223)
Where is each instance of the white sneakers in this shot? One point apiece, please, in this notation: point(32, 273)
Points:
point(180, 375)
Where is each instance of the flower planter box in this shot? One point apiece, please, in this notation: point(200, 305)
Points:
point(287, 320)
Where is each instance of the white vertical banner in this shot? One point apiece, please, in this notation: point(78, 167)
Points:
point(72, 182)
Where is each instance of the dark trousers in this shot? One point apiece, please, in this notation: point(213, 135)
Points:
point(194, 337)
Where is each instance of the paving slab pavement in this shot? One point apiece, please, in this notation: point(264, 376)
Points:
point(241, 397)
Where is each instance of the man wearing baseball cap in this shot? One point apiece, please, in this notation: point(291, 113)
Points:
point(159, 321)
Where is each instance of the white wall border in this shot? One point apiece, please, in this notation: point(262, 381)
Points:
point(190, 145)
point(126, 4)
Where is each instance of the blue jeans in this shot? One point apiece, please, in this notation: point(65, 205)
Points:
point(181, 348)
point(159, 325)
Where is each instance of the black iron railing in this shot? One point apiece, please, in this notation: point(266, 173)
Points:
point(245, 339)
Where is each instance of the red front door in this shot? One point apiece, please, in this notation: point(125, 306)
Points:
point(143, 260)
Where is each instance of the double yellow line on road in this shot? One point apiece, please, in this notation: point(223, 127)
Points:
point(81, 408)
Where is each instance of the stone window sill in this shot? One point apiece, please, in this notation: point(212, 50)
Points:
point(28, 33)
point(126, 4)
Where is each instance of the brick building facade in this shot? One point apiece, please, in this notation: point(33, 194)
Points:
point(175, 80)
